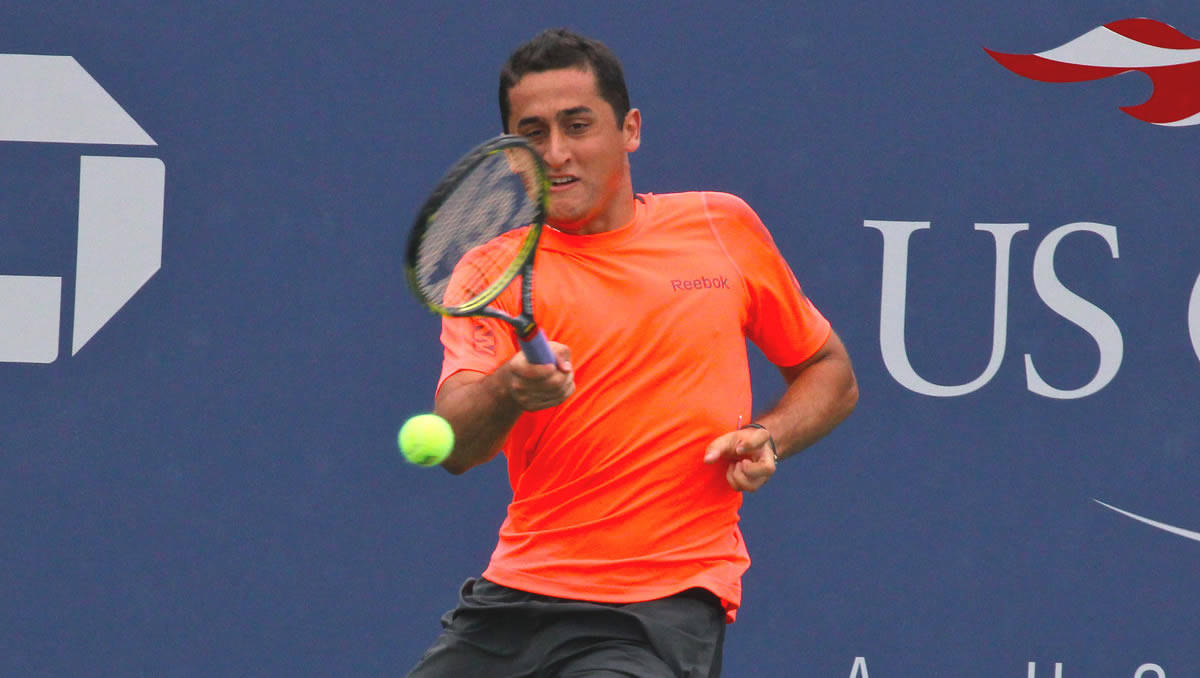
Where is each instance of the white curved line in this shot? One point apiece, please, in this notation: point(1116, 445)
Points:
point(1188, 534)
point(1104, 47)
point(1186, 122)
point(1194, 314)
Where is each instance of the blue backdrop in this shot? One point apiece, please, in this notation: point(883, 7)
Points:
point(209, 485)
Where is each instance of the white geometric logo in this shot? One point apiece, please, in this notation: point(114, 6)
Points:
point(51, 99)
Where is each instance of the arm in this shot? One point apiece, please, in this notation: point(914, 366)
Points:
point(821, 393)
point(483, 408)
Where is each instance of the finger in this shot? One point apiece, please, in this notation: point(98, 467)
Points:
point(740, 480)
point(562, 357)
point(758, 470)
point(541, 390)
point(723, 447)
point(743, 476)
point(545, 391)
point(735, 445)
point(527, 371)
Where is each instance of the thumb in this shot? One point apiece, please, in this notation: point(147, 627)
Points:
point(727, 446)
point(562, 356)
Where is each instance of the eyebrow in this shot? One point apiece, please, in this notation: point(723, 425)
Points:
point(565, 113)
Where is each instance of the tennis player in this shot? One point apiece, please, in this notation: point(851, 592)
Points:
point(629, 456)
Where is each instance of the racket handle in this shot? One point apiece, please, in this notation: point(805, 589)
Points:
point(537, 349)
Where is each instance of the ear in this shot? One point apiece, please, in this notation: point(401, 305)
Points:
point(632, 130)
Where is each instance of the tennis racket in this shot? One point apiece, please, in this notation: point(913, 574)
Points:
point(477, 232)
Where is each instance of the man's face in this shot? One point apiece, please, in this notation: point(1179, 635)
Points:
point(576, 132)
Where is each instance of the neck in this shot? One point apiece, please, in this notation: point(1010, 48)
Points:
point(618, 212)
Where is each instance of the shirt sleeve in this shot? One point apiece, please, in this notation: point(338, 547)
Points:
point(780, 319)
point(477, 344)
point(474, 344)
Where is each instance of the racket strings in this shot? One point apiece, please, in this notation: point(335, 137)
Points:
point(472, 239)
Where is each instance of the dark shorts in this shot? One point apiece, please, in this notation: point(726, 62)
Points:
point(498, 632)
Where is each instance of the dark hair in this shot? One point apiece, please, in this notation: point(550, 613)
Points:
point(562, 48)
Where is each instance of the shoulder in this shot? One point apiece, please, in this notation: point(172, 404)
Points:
point(734, 221)
point(711, 202)
point(502, 248)
point(728, 204)
point(725, 214)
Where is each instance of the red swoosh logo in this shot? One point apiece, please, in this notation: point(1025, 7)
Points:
point(1170, 58)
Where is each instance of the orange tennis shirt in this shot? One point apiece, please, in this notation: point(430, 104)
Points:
point(612, 501)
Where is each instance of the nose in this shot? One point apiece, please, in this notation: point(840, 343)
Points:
point(555, 153)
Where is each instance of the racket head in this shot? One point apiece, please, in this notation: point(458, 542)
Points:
point(479, 227)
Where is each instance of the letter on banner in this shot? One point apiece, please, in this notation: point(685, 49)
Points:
point(1033, 670)
point(1078, 310)
point(1194, 317)
point(29, 310)
point(120, 237)
point(893, 301)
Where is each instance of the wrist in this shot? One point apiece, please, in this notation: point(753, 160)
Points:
point(770, 440)
point(501, 389)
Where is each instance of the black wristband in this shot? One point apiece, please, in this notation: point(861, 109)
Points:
point(770, 440)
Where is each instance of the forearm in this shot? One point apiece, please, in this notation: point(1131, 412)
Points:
point(483, 408)
point(481, 412)
point(821, 393)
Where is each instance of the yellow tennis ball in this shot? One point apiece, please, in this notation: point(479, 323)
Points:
point(426, 439)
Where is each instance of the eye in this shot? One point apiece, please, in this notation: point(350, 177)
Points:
point(578, 126)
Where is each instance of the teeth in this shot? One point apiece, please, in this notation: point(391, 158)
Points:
point(559, 181)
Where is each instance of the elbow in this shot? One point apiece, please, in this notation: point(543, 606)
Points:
point(463, 459)
point(455, 467)
point(849, 398)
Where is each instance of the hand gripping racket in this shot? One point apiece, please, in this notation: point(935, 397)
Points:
point(477, 232)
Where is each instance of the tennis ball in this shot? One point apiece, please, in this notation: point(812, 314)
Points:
point(426, 439)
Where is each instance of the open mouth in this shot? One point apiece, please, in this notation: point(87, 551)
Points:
point(558, 182)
